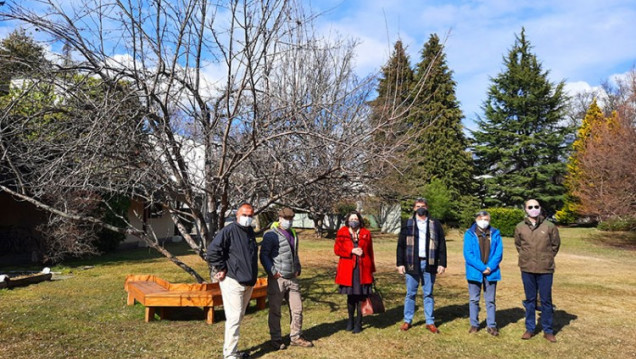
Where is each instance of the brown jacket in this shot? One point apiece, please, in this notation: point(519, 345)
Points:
point(537, 246)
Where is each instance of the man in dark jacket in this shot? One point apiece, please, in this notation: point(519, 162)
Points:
point(537, 241)
point(233, 254)
point(279, 257)
point(421, 254)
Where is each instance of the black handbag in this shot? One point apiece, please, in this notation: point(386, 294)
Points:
point(373, 303)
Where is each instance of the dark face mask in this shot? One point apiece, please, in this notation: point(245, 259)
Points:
point(422, 212)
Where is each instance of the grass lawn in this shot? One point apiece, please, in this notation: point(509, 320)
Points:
point(85, 315)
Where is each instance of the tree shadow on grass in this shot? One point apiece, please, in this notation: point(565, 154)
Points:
point(316, 292)
point(325, 330)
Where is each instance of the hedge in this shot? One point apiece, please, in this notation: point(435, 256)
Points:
point(505, 219)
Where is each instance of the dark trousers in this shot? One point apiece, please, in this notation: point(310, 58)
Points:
point(541, 283)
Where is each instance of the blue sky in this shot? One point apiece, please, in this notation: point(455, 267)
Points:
point(583, 42)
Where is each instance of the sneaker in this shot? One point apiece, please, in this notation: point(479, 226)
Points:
point(492, 331)
point(472, 330)
point(302, 342)
point(278, 344)
point(242, 355)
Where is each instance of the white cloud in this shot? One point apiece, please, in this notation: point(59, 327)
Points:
point(583, 42)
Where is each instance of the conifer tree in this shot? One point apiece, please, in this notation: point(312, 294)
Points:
point(441, 151)
point(520, 144)
point(20, 56)
point(394, 100)
point(593, 117)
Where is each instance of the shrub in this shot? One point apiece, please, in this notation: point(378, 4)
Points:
point(505, 219)
point(624, 224)
point(114, 212)
point(440, 201)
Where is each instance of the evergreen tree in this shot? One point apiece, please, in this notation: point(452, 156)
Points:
point(441, 150)
point(394, 100)
point(593, 117)
point(20, 56)
point(520, 144)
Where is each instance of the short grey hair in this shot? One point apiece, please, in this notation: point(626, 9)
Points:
point(482, 214)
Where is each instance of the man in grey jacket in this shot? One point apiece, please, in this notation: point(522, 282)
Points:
point(279, 257)
point(537, 241)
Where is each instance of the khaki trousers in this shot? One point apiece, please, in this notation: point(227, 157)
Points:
point(288, 289)
point(236, 297)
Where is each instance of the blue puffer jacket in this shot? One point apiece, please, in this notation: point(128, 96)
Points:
point(472, 255)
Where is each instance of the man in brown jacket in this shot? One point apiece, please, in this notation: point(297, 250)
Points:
point(537, 241)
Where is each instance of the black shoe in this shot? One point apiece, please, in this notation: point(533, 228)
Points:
point(278, 344)
point(349, 325)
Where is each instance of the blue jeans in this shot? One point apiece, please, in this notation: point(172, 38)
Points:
point(542, 283)
point(412, 284)
point(474, 292)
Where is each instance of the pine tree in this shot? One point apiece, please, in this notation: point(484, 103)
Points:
point(394, 100)
point(441, 151)
point(20, 56)
point(520, 144)
point(593, 117)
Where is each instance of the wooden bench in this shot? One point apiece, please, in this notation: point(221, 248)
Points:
point(155, 293)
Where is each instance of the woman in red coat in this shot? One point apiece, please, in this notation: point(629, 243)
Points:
point(355, 267)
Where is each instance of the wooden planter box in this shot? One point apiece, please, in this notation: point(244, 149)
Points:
point(156, 293)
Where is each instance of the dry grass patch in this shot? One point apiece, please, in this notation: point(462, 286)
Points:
point(86, 315)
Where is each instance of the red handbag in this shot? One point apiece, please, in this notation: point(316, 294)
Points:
point(373, 304)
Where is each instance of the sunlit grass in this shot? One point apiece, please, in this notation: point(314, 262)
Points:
point(85, 316)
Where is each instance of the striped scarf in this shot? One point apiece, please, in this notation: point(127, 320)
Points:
point(412, 256)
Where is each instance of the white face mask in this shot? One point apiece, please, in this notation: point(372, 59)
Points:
point(285, 223)
point(245, 221)
point(534, 213)
point(482, 223)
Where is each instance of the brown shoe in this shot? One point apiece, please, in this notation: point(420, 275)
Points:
point(278, 344)
point(549, 337)
point(405, 326)
point(492, 331)
point(527, 335)
point(432, 328)
point(472, 330)
point(301, 342)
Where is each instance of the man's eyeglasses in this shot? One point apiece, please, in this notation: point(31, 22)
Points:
point(535, 207)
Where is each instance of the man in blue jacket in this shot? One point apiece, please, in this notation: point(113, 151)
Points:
point(233, 254)
point(483, 251)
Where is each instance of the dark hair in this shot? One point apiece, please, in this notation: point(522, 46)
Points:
point(525, 203)
point(357, 215)
point(420, 200)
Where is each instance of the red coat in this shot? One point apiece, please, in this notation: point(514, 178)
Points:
point(343, 247)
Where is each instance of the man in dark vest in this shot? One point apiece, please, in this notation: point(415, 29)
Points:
point(421, 255)
point(279, 257)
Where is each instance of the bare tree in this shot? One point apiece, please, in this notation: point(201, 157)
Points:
point(200, 106)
